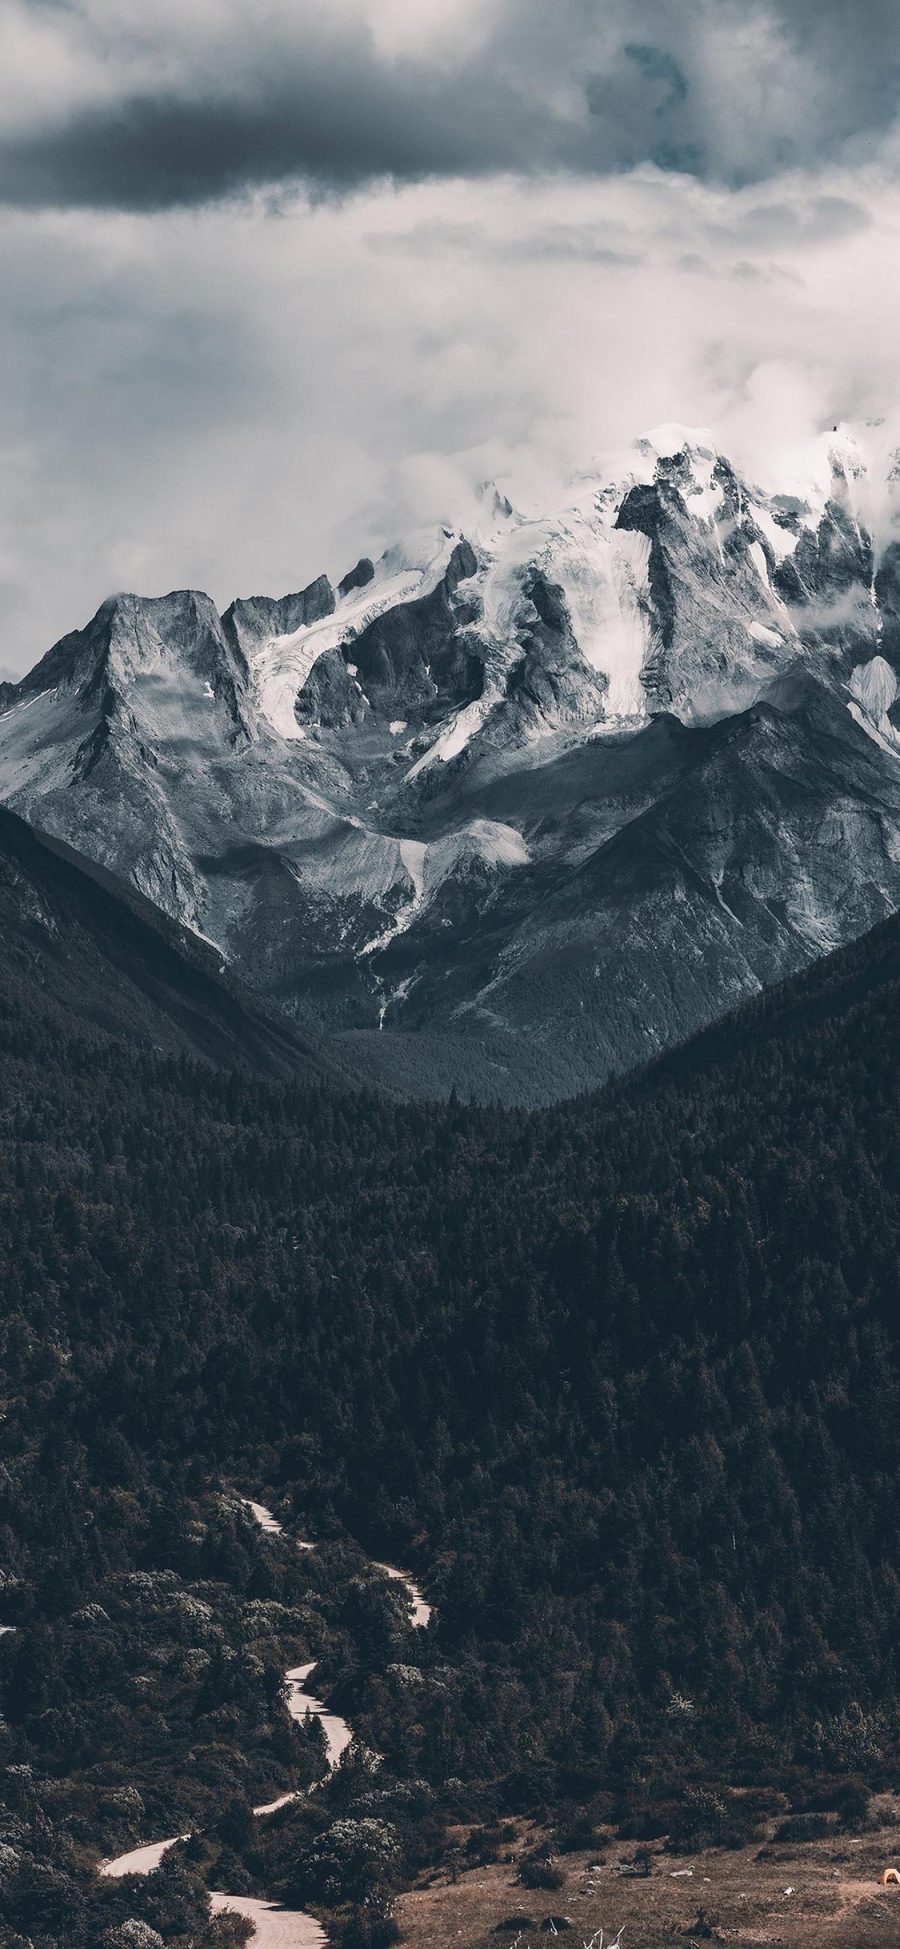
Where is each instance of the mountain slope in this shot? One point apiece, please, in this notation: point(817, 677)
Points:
point(620, 1378)
point(509, 809)
point(775, 838)
point(76, 946)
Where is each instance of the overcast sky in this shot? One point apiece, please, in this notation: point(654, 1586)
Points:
point(278, 280)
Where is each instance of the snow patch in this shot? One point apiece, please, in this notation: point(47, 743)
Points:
point(782, 541)
point(603, 574)
point(762, 634)
point(397, 994)
point(705, 495)
point(454, 740)
point(757, 556)
point(674, 437)
point(281, 664)
point(25, 704)
point(414, 854)
point(874, 689)
point(428, 866)
point(830, 466)
point(886, 740)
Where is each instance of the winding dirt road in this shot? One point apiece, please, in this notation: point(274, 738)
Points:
point(274, 1927)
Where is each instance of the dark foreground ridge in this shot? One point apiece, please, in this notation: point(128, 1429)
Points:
point(73, 939)
point(618, 1381)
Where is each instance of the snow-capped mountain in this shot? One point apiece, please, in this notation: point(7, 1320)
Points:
point(514, 807)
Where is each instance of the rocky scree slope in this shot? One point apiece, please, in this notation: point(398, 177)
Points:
point(512, 809)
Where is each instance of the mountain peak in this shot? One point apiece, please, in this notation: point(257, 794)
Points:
point(589, 772)
point(672, 437)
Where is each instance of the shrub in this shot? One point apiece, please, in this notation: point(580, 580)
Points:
point(803, 1827)
point(132, 1935)
point(577, 1835)
point(705, 1818)
point(700, 1821)
point(348, 1861)
point(852, 1738)
point(370, 1932)
point(853, 1802)
point(235, 1824)
point(540, 1871)
point(483, 1844)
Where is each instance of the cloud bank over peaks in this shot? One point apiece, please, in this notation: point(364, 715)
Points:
point(279, 284)
point(235, 400)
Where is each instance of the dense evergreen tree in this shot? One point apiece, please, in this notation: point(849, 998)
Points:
point(620, 1380)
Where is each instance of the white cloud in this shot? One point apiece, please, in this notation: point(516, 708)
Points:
point(236, 400)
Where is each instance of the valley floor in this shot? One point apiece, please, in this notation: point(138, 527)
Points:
point(776, 1896)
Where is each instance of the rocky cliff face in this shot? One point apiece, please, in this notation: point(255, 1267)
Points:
point(515, 808)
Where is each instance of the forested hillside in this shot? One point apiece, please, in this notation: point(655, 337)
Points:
point(619, 1380)
point(75, 940)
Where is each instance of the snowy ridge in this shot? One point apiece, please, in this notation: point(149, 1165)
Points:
point(444, 789)
point(282, 664)
point(603, 576)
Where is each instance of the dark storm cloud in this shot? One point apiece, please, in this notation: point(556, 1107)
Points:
point(150, 111)
point(336, 127)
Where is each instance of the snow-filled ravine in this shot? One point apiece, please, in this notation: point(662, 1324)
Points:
point(275, 1927)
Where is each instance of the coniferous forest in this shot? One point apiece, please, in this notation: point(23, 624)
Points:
point(618, 1381)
